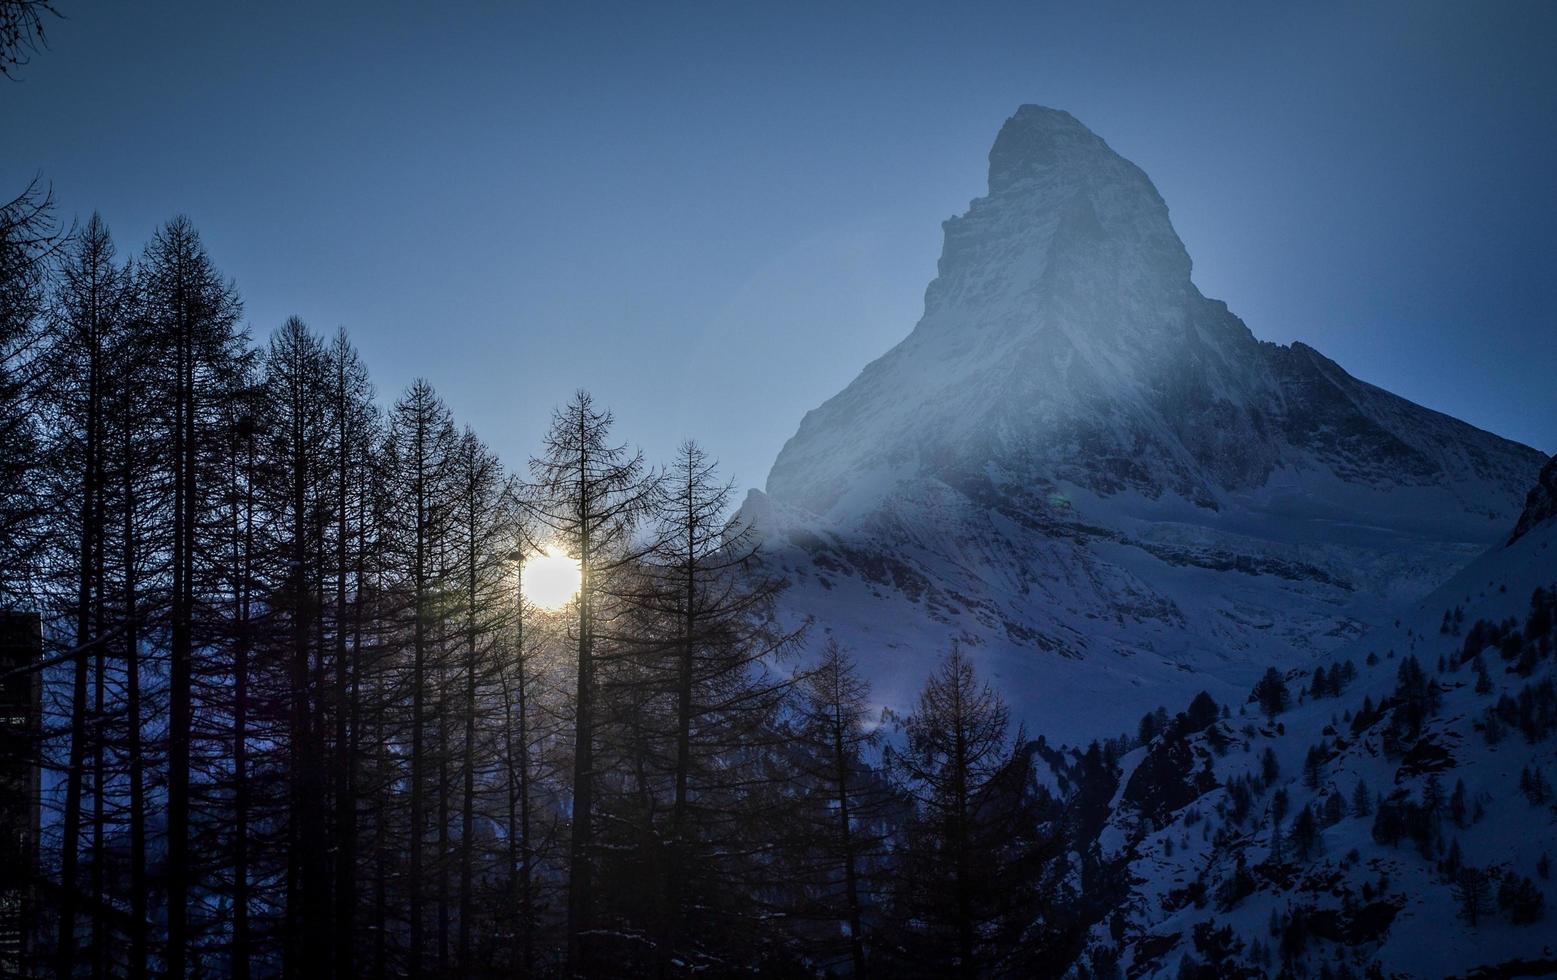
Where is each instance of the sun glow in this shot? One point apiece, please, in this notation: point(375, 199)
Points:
point(551, 580)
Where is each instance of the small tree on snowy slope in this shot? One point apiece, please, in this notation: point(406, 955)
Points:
point(1474, 893)
point(1271, 693)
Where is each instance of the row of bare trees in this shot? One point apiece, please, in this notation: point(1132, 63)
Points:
point(299, 721)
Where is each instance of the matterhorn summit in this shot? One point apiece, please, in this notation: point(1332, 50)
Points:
point(1099, 480)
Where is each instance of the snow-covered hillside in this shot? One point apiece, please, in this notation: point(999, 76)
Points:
point(1412, 788)
point(1099, 480)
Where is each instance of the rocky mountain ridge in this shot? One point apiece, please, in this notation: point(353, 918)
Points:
point(1100, 480)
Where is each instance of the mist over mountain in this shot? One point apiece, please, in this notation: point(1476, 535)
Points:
point(1101, 480)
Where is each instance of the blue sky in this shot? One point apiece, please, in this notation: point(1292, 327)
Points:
point(714, 215)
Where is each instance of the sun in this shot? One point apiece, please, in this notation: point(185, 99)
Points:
point(552, 579)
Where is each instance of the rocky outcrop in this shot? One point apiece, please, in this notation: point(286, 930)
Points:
point(1540, 504)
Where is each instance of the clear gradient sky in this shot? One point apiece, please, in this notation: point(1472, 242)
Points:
point(713, 216)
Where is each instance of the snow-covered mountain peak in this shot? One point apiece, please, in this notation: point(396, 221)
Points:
point(1038, 138)
point(1063, 342)
point(1045, 166)
point(1064, 213)
point(1100, 479)
point(1062, 301)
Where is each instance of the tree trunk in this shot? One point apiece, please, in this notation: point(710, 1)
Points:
point(242, 947)
point(846, 844)
point(139, 952)
point(70, 842)
point(99, 700)
point(418, 707)
point(517, 742)
point(300, 880)
point(580, 899)
point(684, 675)
point(71, 835)
point(181, 648)
point(960, 842)
point(348, 725)
point(468, 816)
point(526, 853)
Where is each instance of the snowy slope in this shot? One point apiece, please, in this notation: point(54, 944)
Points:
point(1177, 853)
point(1099, 479)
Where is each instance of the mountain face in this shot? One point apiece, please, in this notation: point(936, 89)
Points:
point(1354, 827)
point(1099, 479)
